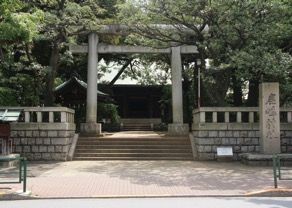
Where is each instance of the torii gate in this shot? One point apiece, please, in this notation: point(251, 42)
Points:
point(94, 48)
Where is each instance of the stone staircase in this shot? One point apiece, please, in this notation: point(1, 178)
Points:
point(142, 124)
point(137, 127)
point(164, 148)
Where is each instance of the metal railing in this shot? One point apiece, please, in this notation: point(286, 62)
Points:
point(277, 168)
point(21, 171)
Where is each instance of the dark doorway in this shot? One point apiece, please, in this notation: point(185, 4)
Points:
point(137, 101)
point(138, 107)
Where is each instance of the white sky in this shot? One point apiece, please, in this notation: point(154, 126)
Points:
point(110, 75)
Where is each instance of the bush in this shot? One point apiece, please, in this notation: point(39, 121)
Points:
point(107, 111)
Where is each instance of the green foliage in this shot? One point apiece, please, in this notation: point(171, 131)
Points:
point(7, 97)
point(19, 89)
point(110, 10)
point(11, 31)
point(15, 25)
point(246, 41)
point(9, 6)
point(108, 111)
point(62, 20)
point(149, 70)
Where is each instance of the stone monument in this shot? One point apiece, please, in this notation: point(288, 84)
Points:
point(269, 118)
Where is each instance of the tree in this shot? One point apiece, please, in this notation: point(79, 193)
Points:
point(63, 18)
point(242, 42)
point(17, 29)
point(35, 36)
point(250, 32)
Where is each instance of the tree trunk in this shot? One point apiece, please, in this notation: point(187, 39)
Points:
point(50, 77)
point(38, 86)
point(217, 91)
point(253, 93)
point(187, 103)
point(237, 91)
point(196, 85)
point(120, 72)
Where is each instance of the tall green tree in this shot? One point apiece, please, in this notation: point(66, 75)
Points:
point(246, 36)
point(18, 26)
point(62, 19)
point(246, 42)
point(35, 36)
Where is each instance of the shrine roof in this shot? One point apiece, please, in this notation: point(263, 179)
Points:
point(73, 83)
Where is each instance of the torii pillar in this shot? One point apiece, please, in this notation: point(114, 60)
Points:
point(177, 127)
point(91, 127)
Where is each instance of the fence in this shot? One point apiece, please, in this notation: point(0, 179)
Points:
point(42, 133)
point(278, 169)
point(236, 127)
point(21, 171)
point(238, 115)
point(44, 114)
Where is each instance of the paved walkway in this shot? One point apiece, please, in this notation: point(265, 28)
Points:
point(144, 178)
point(136, 134)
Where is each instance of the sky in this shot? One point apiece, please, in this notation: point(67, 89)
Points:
point(110, 75)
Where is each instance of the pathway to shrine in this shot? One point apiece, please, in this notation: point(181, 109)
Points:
point(147, 179)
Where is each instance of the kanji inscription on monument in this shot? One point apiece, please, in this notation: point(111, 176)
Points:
point(271, 114)
point(269, 118)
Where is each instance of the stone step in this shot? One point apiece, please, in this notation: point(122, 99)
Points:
point(136, 127)
point(132, 139)
point(133, 158)
point(142, 146)
point(108, 148)
point(137, 124)
point(141, 120)
point(149, 154)
point(132, 150)
point(133, 142)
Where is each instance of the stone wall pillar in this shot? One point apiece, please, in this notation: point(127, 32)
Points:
point(177, 127)
point(269, 118)
point(91, 127)
point(42, 141)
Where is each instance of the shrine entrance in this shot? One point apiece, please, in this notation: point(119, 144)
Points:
point(137, 107)
point(94, 48)
point(136, 101)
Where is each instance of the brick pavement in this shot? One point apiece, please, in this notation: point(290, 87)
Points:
point(145, 179)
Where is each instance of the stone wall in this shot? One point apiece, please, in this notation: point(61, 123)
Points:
point(241, 141)
point(42, 141)
point(286, 139)
point(236, 127)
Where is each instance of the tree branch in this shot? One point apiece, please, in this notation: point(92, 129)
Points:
point(120, 72)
